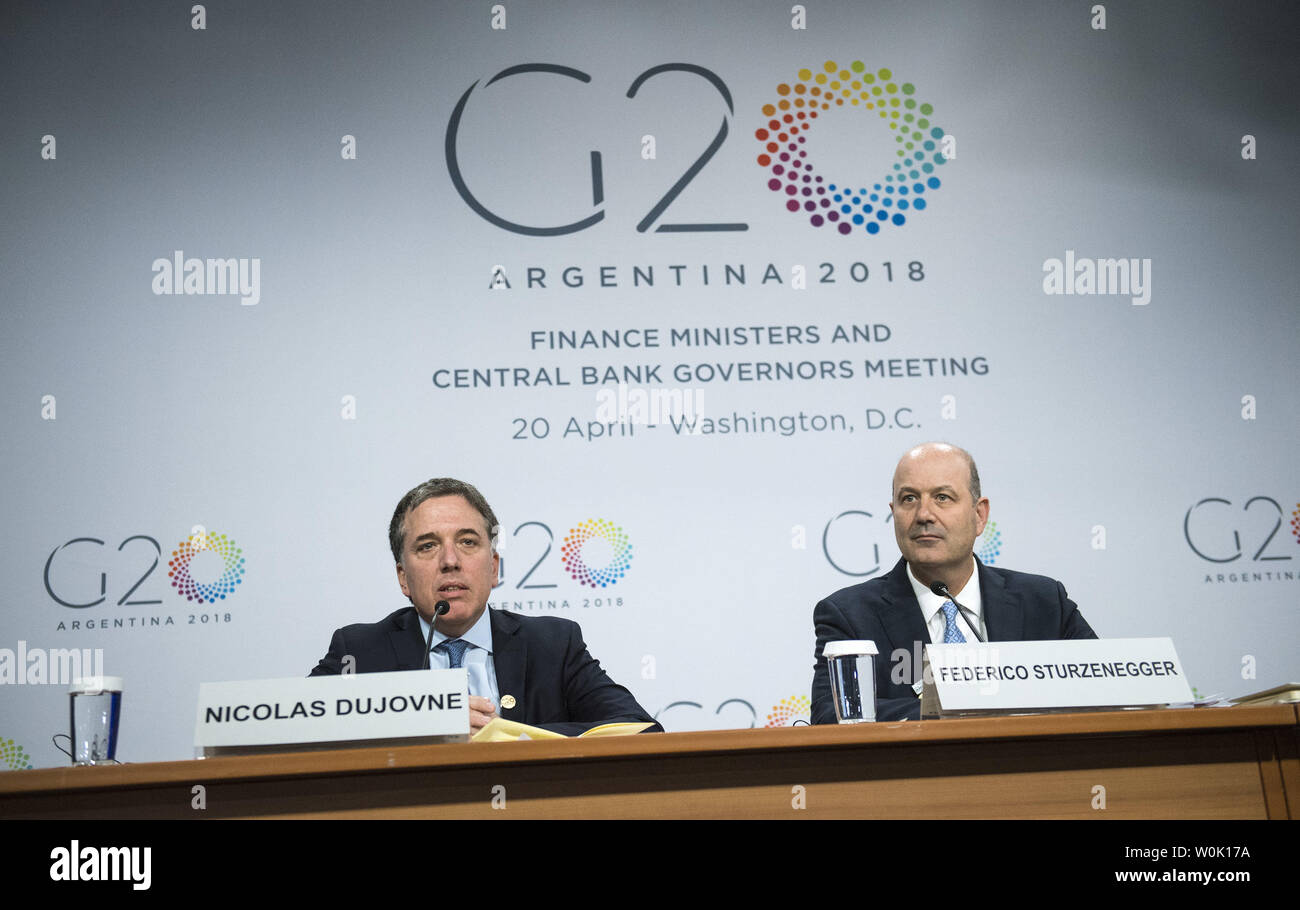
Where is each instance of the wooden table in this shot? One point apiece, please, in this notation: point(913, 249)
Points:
point(1202, 763)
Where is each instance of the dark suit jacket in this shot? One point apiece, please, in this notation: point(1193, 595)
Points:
point(540, 660)
point(1016, 607)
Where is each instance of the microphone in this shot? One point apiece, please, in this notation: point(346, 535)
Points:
point(439, 609)
point(941, 589)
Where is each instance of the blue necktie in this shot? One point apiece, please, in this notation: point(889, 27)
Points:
point(455, 649)
point(951, 634)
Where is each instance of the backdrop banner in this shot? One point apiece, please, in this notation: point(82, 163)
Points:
point(674, 285)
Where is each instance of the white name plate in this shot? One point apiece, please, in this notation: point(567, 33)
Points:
point(405, 704)
point(1035, 675)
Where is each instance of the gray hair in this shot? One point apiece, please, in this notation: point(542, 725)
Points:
point(432, 489)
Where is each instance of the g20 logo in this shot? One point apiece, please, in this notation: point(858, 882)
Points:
point(65, 569)
point(878, 200)
point(989, 544)
point(733, 713)
point(850, 541)
point(597, 171)
point(1212, 528)
point(848, 556)
point(596, 553)
point(789, 711)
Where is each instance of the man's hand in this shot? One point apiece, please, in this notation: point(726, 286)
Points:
point(481, 710)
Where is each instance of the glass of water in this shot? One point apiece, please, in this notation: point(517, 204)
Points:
point(96, 706)
point(853, 680)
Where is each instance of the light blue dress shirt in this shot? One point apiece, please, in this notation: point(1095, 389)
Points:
point(478, 663)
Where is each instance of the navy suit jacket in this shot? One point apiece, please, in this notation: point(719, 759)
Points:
point(1015, 606)
point(540, 660)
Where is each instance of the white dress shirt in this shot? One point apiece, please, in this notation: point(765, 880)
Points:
point(969, 616)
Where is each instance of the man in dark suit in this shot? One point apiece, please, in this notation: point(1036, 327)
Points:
point(938, 512)
point(537, 669)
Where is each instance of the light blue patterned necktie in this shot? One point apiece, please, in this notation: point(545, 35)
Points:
point(951, 634)
point(455, 649)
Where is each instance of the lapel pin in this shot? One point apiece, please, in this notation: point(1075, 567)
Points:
point(507, 701)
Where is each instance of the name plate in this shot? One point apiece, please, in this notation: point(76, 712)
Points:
point(1006, 676)
point(409, 705)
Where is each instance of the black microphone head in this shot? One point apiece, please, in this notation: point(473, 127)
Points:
point(939, 588)
point(441, 608)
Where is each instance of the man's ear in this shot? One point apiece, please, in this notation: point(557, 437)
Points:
point(401, 580)
point(982, 513)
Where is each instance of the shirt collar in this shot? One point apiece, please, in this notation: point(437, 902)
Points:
point(479, 634)
point(932, 603)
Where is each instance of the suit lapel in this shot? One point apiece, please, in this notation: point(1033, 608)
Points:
point(1004, 613)
point(406, 640)
point(900, 614)
point(509, 656)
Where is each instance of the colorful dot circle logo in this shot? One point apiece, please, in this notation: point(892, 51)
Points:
point(872, 203)
point(989, 544)
point(788, 710)
point(575, 544)
point(1295, 522)
point(14, 757)
point(179, 567)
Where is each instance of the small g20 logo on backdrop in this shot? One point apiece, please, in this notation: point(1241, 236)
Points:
point(205, 567)
point(1218, 530)
point(851, 542)
point(595, 553)
point(197, 544)
point(989, 544)
point(609, 571)
point(788, 710)
point(13, 756)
